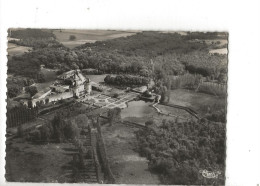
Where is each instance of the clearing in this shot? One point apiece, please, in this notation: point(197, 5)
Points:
point(199, 102)
point(126, 164)
point(15, 50)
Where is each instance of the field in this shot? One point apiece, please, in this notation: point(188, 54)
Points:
point(200, 102)
point(126, 164)
point(36, 163)
point(141, 112)
point(219, 51)
point(88, 36)
point(15, 50)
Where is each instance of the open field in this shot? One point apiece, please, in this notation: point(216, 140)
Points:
point(126, 164)
point(196, 101)
point(88, 36)
point(141, 112)
point(15, 50)
point(219, 51)
point(37, 163)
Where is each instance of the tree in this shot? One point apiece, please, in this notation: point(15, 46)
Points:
point(13, 91)
point(20, 131)
point(72, 37)
point(32, 90)
point(114, 115)
point(149, 122)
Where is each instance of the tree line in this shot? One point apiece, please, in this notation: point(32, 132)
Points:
point(19, 115)
point(126, 80)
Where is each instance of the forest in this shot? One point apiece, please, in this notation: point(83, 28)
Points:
point(171, 53)
point(178, 151)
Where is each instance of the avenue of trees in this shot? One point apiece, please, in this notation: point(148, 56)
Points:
point(18, 115)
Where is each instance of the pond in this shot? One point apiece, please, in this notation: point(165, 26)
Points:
point(137, 109)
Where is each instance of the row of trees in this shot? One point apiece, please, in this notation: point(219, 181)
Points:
point(178, 151)
point(126, 80)
point(30, 33)
point(37, 43)
point(19, 115)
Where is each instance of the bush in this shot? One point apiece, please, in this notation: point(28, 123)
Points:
point(218, 116)
point(20, 131)
point(71, 131)
point(115, 95)
point(89, 154)
point(46, 133)
point(72, 37)
point(32, 90)
point(148, 123)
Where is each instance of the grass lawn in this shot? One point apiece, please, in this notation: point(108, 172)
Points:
point(197, 101)
point(126, 164)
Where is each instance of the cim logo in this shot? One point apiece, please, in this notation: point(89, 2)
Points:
point(210, 174)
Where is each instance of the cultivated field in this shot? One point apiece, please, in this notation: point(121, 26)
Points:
point(88, 36)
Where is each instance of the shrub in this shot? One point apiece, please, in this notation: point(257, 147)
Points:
point(71, 131)
point(46, 133)
point(89, 154)
point(32, 90)
point(115, 95)
point(20, 131)
point(72, 37)
point(148, 123)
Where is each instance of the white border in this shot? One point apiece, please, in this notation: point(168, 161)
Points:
point(240, 18)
